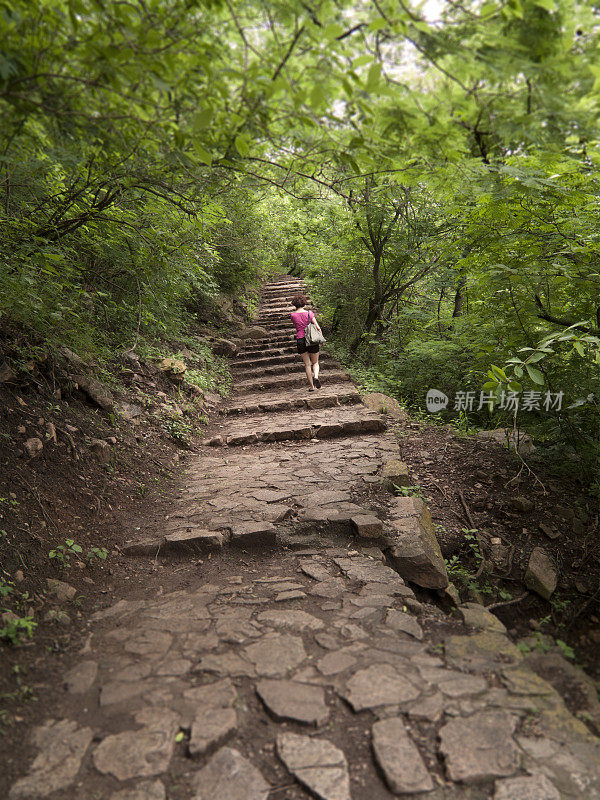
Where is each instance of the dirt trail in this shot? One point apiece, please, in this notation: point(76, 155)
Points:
point(290, 658)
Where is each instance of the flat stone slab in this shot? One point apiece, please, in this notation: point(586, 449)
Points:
point(81, 678)
point(148, 642)
point(367, 525)
point(480, 747)
point(295, 620)
point(335, 662)
point(378, 685)
point(144, 790)
point(476, 616)
point(210, 729)
point(193, 540)
point(400, 621)
point(452, 683)
point(276, 654)
point(226, 664)
point(399, 758)
point(331, 588)
point(139, 753)
point(230, 776)
point(300, 702)
point(62, 745)
point(289, 594)
point(317, 764)
point(530, 787)
point(246, 534)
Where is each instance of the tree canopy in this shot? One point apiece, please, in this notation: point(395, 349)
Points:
point(431, 167)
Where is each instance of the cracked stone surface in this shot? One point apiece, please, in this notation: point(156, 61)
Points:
point(317, 763)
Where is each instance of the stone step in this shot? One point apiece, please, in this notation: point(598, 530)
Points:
point(283, 293)
point(274, 402)
point(277, 369)
point(285, 336)
point(257, 345)
point(251, 351)
point(258, 362)
point(277, 306)
point(278, 348)
point(327, 423)
point(272, 384)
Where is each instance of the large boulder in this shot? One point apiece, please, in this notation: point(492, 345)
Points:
point(507, 438)
point(95, 392)
point(415, 550)
point(383, 404)
point(394, 473)
point(541, 575)
point(254, 332)
point(173, 368)
point(224, 347)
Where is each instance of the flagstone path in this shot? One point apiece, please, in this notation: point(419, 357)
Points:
point(295, 660)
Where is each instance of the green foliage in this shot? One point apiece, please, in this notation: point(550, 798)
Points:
point(62, 553)
point(17, 630)
point(96, 554)
point(436, 180)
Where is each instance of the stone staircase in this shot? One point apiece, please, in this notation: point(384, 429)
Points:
point(300, 664)
point(268, 378)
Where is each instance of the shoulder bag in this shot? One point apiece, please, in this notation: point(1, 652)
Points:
point(312, 333)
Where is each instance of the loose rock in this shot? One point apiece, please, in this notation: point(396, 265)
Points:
point(62, 591)
point(33, 447)
point(541, 575)
point(415, 551)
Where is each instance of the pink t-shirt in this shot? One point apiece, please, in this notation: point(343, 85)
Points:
point(301, 322)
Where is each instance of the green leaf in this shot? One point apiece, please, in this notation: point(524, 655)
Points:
point(317, 96)
point(333, 30)
point(535, 375)
point(202, 119)
point(549, 5)
point(373, 76)
point(241, 144)
point(203, 154)
point(361, 61)
point(377, 25)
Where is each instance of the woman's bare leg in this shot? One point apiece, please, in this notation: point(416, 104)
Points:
point(307, 368)
point(314, 360)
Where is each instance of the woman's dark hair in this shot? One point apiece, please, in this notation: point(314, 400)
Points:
point(299, 300)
